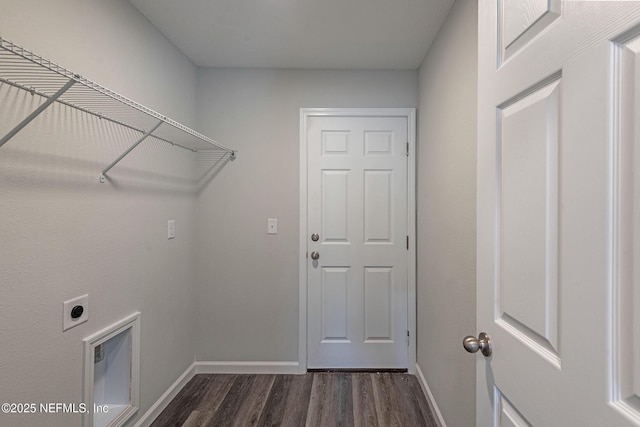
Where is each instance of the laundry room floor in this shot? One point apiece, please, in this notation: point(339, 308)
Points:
point(313, 399)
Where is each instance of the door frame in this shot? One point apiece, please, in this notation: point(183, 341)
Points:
point(410, 115)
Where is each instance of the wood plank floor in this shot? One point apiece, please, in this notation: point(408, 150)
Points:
point(314, 399)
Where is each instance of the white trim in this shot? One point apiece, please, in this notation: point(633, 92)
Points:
point(427, 393)
point(302, 251)
point(411, 225)
point(410, 114)
point(156, 409)
point(229, 367)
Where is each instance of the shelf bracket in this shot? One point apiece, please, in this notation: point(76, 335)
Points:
point(36, 112)
point(123, 155)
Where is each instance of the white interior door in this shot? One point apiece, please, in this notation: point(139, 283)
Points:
point(357, 228)
point(558, 208)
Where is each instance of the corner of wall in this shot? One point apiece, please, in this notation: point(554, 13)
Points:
point(446, 214)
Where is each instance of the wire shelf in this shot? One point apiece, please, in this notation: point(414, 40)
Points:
point(24, 69)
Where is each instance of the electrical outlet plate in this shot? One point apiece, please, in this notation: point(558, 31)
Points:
point(67, 321)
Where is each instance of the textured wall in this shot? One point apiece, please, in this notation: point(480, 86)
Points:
point(248, 280)
point(64, 234)
point(446, 214)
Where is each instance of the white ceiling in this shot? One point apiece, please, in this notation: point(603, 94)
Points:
point(342, 34)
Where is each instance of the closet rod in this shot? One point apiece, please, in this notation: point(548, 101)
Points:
point(36, 112)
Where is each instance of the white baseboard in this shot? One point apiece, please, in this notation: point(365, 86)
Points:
point(246, 367)
point(429, 396)
point(164, 400)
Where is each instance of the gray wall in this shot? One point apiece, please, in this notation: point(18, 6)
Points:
point(64, 234)
point(446, 214)
point(248, 280)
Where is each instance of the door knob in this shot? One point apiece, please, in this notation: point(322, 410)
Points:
point(315, 237)
point(482, 343)
point(315, 255)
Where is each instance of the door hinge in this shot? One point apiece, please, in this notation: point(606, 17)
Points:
point(407, 242)
point(407, 149)
point(408, 338)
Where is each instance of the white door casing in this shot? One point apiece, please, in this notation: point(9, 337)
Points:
point(357, 301)
point(557, 264)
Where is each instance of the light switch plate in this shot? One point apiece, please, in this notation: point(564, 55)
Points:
point(272, 226)
point(171, 229)
point(69, 322)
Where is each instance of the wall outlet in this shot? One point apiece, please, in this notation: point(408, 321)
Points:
point(272, 226)
point(171, 229)
point(75, 311)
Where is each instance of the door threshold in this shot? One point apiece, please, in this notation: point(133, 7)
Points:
point(359, 370)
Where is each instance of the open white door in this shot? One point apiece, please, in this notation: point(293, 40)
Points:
point(559, 213)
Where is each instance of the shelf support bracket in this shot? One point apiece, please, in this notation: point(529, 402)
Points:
point(36, 112)
point(123, 155)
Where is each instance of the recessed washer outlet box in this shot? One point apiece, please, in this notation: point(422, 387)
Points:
point(75, 311)
point(112, 374)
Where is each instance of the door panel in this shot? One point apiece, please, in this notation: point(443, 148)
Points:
point(557, 215)
point(378, 304)
point(519, 16)
point(507, 415)
point(521, 21)
point(528, 232)
point(335, 304)
point(378, 206)
point(335, 143)
point(626, 303)
point(378, 143)
point(357, 199)
point(335, 209)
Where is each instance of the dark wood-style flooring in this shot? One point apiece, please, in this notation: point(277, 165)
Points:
point(313, 399)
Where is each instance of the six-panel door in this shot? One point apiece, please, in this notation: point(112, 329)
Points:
point(558, 144)
point(357, 204)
